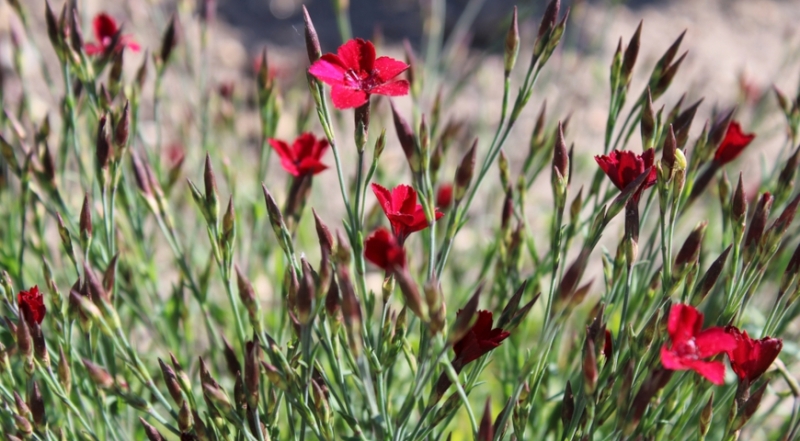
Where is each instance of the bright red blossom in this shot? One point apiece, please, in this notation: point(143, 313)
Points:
point(105, 28)
point(381, 248)
point(31, 304)
point(479, 340)
point(751, 358)
point(354, 74)
point(690, 345)
point(401, 208)
point(444, 196)
point(733, 144)
point(623, 167)
point(303, 157)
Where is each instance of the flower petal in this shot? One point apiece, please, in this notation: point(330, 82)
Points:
point(671, 360)
point(713, 371)
point(394, 88)
point(384, 197)
point(713, 341)
point(282, 149)
point(358, 55)
point(328, 69)
point(346, 98)
point(310, 165)
point(733, 144)
point(684, 322)
point(104, 26)
point(386, 68)
point(404, 199)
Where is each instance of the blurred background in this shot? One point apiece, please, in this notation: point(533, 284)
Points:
point(737, 51)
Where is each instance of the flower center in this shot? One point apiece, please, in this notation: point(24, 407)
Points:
point(361, 80)
point(687, 349)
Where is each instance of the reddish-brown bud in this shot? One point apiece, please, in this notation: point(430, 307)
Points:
point(99, 376)
point(486, 430)
point(759, 221)
point(631, 53)
point(171, 381)
point(690, 251)
point(406, 137)
point(312, 40)
point(464, 172)
point(151, 432)
point(168, 41)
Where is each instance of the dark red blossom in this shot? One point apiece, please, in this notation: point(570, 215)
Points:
point(733, 144)
point(382, 249)
point(444, 196)
point(690, 345)
point(401, 208)
point(751, 358)
point(623, 167)
point(479, 340)
point(105, 29)
point(303, 156)
point(31, 305)
point(354, 74)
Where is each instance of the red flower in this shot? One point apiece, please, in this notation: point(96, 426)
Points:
point(303, 157)
point(480, 339)
point(354, 74)
point(733, 144)
point(690, 345)
point(381, 248)
point(444, 197)
point(105, 28)
point(31, 305)
point(402, 210)
point(623, 167)
point(751, 358)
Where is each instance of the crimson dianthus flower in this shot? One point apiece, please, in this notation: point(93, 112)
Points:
point(479, 340)
point(382, 249)
point(444, 196)
point(354, 74)
point(751, 358)
point(690, 345)
point(401, 208)
point(303, 156)
point(105, 29)
point(733, 144)
point(31, 305)
point(623, 167)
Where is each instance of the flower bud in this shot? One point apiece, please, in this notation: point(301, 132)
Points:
point(464, 318)
point(407, 141)
point(511, 49)
point(171, 381)
point(86, 223)
point(567, 405)
point(631, 52)
point(690, 251)
point(23, 426)
point(312, 40)
point(36, 405)
point(252, 373)
point(168, 42)
point(464, 172)
point(411, 294)
point(151, 432)
point(589, 367)
point(64, 371)
point(757, 224)
point(709, 279)
point(648, 123)
point(102, 146)
point(486, 430)
point(99, 376)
